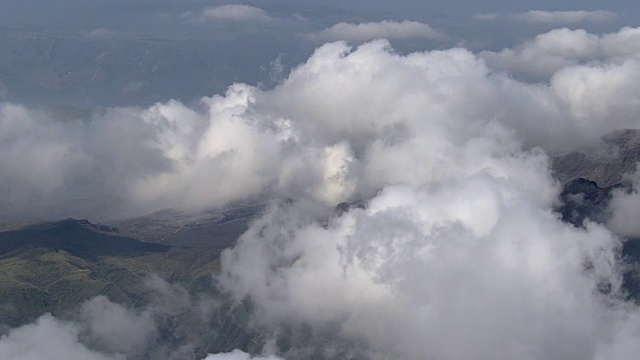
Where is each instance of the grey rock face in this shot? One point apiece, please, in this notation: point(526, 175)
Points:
point(607, 163)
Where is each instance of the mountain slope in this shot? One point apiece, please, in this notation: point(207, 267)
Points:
point(53, 267)
point(606, 163)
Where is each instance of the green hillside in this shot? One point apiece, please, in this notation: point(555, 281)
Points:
point(56, 266)
point(53, 267)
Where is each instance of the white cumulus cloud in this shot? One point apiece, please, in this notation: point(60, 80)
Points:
point(557, 49)
point(302, 138)
point(458, 251)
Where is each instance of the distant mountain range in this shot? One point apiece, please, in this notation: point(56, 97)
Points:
point(102, 69)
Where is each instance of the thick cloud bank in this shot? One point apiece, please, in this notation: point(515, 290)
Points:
point(341, 127)
point(457, 253)
point(451, 248)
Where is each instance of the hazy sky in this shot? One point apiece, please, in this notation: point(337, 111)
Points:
point(133, 14)
point(202, 53)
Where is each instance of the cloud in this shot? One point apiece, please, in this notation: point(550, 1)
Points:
point(458, 236)
point(548, 53)
point(103, 34)
point(115, 328)
point(238, 355)
point(564, 17)
point(102, 329)
point(302, 138)
point(234, 13)
point(623, 208)
point(364, 276)
point(47, 338)
point(454, 250)
point(391, 30)
point(554, 18)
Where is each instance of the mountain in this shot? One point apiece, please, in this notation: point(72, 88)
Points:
point(590, 177)
point(213, 229)
point(606, 163)
point(104, 68)
point(56, 266)
point(87, 71)
point(583, 200)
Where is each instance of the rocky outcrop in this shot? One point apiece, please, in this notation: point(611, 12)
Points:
point(607, 163)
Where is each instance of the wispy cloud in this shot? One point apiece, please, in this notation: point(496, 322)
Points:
point(564, 17)
point(551, 17)
point(236, 13)
point(378, 30)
